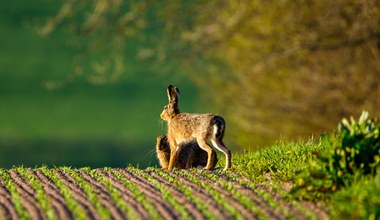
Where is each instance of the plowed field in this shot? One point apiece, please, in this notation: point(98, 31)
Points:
point(65, 193)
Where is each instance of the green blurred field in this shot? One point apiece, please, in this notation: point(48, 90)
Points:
point(80, 124)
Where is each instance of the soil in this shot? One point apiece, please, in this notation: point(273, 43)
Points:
point(157, 188)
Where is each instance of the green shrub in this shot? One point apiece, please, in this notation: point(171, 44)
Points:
point(359, 201)
point(350, 154)
point(357, 151)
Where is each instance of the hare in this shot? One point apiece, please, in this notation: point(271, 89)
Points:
point(191, 156)
point(187, 127)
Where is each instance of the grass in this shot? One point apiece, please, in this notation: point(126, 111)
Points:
point(282, 160)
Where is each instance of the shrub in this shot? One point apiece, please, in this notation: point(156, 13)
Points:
point(357, 151)
point(351, 153)
point(359, 201)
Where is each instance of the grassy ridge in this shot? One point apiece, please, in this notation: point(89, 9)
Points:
point(282, 160)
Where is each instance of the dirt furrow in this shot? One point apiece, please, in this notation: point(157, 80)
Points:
point(294, 212)
point(78, 194)
point(204, 196)
point(4, 211)
point(143, 194)
point(321, 213)
point(27, 195)
point(227, 196)
point(105, 197)
point(178, 195)
point(259, 201)
point(152, 194)
point(7, 208)
point(126, 195)
point(58, 202)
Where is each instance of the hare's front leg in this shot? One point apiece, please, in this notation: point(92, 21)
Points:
point(210, 159)
point(174, 153)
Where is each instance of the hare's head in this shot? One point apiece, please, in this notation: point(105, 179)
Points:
point(171, 109)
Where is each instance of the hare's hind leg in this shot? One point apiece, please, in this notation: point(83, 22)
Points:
point(203, 144)
point(218, 144)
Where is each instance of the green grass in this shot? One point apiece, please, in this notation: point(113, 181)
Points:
point(282, 160)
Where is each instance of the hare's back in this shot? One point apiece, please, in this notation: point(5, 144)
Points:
point(192, 123)
point(193, 119)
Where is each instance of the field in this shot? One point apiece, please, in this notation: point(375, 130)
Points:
point(130, 193)
point(257, 186)
point(260, 185)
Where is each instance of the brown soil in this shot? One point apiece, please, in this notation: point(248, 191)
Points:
point(152, 194)
point(78, 194)
point(53, 193)
point(200, 199)
point(227, 197)
point(318, 209)
point(202, 194)
point(105, 197)
point(259, 201)
point(28, 198)
point(126, 195)
point(7, 208)
point(178, 195)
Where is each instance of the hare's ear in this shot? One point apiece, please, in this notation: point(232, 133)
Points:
point(169, 92)
point(173, 94)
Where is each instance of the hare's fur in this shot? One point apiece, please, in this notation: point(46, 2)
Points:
point(186, 127)
point(191, 155)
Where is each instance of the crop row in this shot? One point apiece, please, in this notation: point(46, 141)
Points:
point(131, 193)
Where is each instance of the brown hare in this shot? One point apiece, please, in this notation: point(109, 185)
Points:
point(191, 155)
point(186, 127)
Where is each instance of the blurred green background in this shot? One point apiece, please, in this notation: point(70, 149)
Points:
point(83, 82)
point(80, 124)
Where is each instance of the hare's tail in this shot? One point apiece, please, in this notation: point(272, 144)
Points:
point(219, 126)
